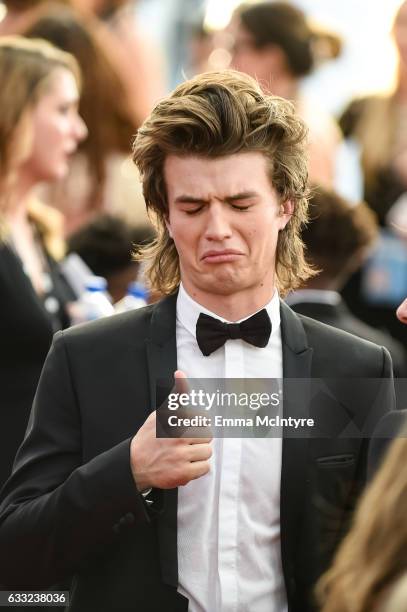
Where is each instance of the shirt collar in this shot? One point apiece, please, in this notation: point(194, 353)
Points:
point(188, 311)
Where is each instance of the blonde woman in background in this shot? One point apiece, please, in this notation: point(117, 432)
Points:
point(377, 124)
point(373, 556)
point(40, 129)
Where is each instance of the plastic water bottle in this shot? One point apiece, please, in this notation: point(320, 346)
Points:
point(93, 304)
point(136, 297)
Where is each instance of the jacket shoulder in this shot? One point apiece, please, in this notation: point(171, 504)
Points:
point(134, 325)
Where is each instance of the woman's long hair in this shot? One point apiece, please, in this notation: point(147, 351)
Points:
point(374, 553)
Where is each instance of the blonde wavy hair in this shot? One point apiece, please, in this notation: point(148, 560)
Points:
point(26, 68)
point(374, 553)
point(213, 115)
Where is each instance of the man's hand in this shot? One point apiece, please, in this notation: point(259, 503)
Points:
point(167, 463)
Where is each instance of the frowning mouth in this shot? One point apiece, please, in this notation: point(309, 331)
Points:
point(221, 256)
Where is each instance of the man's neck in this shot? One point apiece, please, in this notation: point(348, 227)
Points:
point(233, 307)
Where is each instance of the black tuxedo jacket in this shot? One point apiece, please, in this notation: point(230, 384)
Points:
point(71, 506)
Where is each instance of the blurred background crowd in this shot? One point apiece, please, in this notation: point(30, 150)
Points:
point(71, 204)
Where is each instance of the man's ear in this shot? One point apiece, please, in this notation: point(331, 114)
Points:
point(285, 213)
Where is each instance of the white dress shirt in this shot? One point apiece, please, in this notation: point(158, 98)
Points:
point(229, 552)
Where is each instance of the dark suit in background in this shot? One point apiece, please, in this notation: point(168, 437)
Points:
point(26, 329)
point(72, 506)
point(338, 315)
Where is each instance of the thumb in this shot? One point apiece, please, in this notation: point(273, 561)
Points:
point(402, 312)
point(181, 382)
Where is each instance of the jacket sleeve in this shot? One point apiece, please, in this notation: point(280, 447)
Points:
point(56, 512)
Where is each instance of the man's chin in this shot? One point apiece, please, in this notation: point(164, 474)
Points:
point(224, 283)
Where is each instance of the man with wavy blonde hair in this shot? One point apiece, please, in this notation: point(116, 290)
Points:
point(195, 523)
point(233, 119)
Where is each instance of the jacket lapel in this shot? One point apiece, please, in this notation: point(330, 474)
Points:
point(297, 358)
point(162, 362)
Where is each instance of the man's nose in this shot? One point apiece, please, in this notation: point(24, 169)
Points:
point(218, 225)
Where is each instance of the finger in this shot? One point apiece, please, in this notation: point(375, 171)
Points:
point(198, 469)
point(181, 382)
point(402, 312)
point(199, 452)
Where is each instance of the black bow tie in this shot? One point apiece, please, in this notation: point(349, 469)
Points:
point(211, 333)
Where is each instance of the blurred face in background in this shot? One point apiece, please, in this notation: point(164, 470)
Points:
point(87, 5)
point(97, 7)
point(56, 129)
point(400, 32)
point(258, 62)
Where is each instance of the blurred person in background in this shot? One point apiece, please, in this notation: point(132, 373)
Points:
point(201, 44)
point(378, 125)
point(105, 245)
point(132, 56)
point(372, 558)
point(18, 14)
point(369, 572)
point(135, 55)
point(338, 238)
point(275, 43)
point(101, 177)
point(40, 129)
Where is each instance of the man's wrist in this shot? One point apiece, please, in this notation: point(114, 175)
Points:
point(141, 483)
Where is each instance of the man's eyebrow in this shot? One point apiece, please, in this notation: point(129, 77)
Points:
point(243, 195)
point(188, 199)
